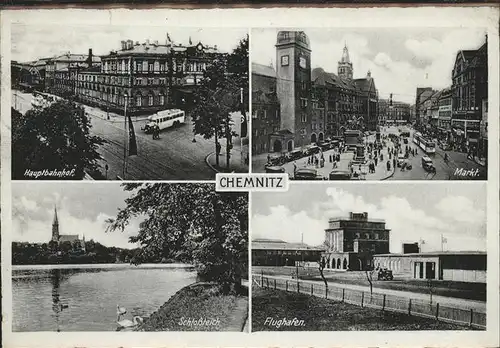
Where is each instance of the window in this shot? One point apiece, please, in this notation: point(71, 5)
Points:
point(156, 67)
point(138, 100)
point(255, 113)
point(357, 235)
point(367, 236)
point(151, 100)
point(138, 66)
point(376, 236)
point(145, 66)
point(303, 102)
point(162, 99)
point(284, 60)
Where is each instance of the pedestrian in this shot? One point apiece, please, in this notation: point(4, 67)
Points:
point(308, 161)
point(322, 162)
point(294, 168)
point(376, 160)
point(388, 165)
point(338, 157)
point(334, 165)
point(394, 163)
point(330, 158)
point(268, 158)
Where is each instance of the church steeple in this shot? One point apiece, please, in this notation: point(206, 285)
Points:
point(55, 227)
point(345, 66)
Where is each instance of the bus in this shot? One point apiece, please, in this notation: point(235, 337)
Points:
point(165, 119)
point(425, 144)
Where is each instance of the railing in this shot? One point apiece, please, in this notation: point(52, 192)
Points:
point(432, 310)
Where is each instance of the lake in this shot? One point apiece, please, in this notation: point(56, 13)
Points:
point(84, 297)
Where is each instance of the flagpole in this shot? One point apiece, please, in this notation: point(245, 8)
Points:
point(442, 247)
point(125, 143)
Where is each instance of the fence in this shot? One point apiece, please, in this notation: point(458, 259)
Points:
point(433, 310)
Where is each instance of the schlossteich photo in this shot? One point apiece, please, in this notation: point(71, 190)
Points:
point(133, 257)
point(361, 257)
point(370, 104)
point(128, 103)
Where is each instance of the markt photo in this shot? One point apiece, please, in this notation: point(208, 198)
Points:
point(132, 257)
point(370, 104)
point(128, 103)
point(363, 257)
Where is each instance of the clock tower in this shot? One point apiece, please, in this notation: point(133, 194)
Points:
point(293, 85)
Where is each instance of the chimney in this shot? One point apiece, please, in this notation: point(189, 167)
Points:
point(130, 44)
point(215, 47)
point(147, 41)
point(156, 42)
point(91, 58)
point(124, 45)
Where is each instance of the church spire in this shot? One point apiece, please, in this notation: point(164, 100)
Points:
point(55, 227)
point(345, 54)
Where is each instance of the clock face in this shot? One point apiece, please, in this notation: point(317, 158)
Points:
point(302, 62)
point(284, 60)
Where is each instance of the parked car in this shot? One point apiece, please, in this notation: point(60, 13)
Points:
point(307, 174)
point(295, 154)
point(339, 175)
point(275, 169)
point(385, 274)
point(427, 164)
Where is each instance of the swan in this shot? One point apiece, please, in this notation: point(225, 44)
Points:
point(130, 323)
point(120, 310)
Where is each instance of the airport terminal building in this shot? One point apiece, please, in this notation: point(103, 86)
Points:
point(274, 252)
point(459, 266)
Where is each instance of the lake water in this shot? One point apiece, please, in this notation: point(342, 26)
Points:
point(84, 298)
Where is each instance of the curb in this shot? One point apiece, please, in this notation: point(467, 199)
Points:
point(208, 162)
point(389, 176)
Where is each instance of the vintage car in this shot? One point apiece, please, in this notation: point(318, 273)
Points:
point(385, 274)
point(275, 169)
point(339, 175)
point(307, 174)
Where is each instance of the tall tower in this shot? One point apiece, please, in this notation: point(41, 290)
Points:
point(293, 85)
point(345, 65)
point(55, 227)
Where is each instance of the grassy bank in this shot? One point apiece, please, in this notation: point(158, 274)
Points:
point(200, 307)
point(326, 315)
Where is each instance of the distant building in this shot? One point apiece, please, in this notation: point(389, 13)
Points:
point(61, 238)
point(352, 242)
point(469, 91)
point(460, 266)
point(274, 252)
point(444, 112)
point(397, 113)
point(410, 248)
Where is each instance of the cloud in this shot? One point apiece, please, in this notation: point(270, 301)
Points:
point(461, 209)
point(281, 223)
point(406, 222)
point(37, 228)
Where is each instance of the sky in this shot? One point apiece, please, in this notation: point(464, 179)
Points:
point(31, 42)
point(399, 60)
point(412, 212)
point(81, 209)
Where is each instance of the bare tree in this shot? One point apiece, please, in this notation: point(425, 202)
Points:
point(321, 267)
point(430, 286)
point(369, 277)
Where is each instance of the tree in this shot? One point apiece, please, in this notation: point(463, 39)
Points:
point(54, 137)
point(369, 277)
point(194, 220)
point(321, 267)
point(219, 95)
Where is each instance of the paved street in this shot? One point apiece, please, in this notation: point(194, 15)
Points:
point(172, 157)
point(444, 171)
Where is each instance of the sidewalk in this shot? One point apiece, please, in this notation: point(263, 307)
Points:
point(236, 162)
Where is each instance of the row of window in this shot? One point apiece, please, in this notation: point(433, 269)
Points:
point(152, 67)
point(139, 100)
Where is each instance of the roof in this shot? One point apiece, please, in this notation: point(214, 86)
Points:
point(159, 49)
point(265, 70)
point(70, 57)
point(322, 78)
point(437, 253)
point(68, 238)
point(274, 244)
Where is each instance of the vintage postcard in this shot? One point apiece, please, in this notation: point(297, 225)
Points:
point(250, 177)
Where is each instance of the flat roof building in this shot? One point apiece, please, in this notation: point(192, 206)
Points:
point(276, 252)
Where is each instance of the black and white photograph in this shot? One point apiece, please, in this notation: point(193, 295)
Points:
point(131, 257)
point(128, 102)
point(370, 103)
point(362, 257)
